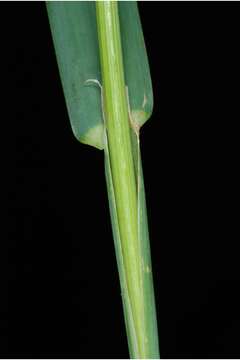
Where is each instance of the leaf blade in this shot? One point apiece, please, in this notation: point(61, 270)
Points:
point(74, 33)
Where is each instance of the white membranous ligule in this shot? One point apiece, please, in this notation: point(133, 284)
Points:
point(96, 82)
point(134, 123)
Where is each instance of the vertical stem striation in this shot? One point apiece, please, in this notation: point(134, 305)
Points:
point(121, 159)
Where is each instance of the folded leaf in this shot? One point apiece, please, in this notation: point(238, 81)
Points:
point(74, 32)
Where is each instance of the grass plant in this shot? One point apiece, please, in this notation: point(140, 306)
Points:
point(107, 85)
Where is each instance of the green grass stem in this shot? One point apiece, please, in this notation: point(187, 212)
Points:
point(117, 122)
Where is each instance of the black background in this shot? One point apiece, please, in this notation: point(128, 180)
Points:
point(59, 286)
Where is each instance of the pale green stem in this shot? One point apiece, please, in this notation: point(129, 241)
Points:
point(117, 123)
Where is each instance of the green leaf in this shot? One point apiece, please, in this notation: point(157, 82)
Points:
point(74, 32)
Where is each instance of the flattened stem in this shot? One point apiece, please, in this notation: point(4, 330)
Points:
point(115, 108)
